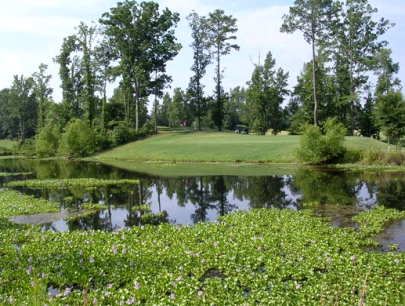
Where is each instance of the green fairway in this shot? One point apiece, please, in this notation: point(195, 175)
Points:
point(220, 147)
point(7, 144)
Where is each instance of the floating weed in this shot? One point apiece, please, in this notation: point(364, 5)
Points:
point(265, 257)
point(13, 203)
point(70, 183)
point(2, 174)
point(372, 222)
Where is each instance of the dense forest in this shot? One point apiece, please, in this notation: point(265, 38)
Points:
point(351, 77)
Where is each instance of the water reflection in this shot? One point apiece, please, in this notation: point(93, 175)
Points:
point(192, 199)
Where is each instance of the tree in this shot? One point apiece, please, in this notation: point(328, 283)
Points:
point(265, 96)
point(8, 124)
point(357, 41)
point(220, 30)
point(42, 94)
point(313, 19)
point(143, 41)
point(177, 111)
point(389, 115)
point(202, 59)
point(23, 105)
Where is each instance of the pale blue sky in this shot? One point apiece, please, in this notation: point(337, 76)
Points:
point(32, 32)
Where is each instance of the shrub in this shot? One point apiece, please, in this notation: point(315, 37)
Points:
point(47, 142)
point(318, 148)
point(79, 140)
point(352, 156)
point(122, 133)
point(4, 151)
point(25, 148)
point(146, 130)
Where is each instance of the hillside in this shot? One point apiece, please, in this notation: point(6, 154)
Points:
point(220, 147)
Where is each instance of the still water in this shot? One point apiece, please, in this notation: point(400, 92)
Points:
point(191, 198)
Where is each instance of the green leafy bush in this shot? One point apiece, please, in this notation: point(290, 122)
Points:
point(79, 140)
point(47, 142)
point(317, 148)
point(122, 133)
point(25, 148)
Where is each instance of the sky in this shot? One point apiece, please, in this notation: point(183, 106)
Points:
point(32, 32)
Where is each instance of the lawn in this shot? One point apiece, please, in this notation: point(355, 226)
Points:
point(220, 147)
point(7, 144)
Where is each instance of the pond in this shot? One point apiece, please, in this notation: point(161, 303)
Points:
point(190, 198)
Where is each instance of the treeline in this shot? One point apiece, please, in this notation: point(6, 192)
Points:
point(132, 43)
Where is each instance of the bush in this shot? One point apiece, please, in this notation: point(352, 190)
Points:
point(122, 133)
point(318, 148)
point(25, 148)
point(79, 140)
point(146, 130)
point(4, 151)
point(352, 156)
point(47, 142)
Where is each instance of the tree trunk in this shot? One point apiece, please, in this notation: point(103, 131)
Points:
point(314, 82)
point(219, 89)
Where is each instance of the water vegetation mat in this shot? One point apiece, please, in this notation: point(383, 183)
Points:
point(14, 203)
point(69, 183)
point(258, 257)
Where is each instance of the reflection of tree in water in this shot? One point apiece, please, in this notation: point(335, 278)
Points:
point(199, 195)
point(263, 191)
point(95, 221)
point(219, 195)
point(327, 187)
point(179, 187)
point(137, 196)
point(391, 192)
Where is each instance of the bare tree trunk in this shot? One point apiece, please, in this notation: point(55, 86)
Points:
point(314, 82)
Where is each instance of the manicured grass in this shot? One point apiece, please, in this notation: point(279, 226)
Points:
point(220, 147)
point(170, 169)
point(7, 144)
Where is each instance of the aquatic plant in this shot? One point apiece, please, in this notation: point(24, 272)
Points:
point(69, 183)
point(260, 257)
point(13, 203)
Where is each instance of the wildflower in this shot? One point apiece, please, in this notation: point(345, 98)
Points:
point(200, 292)
point(67, 291)
point(81, 252)
point(179, 278)
point(353, 258)
point(107, 293)
point(215, 244)
point(173, 284)
point(297, 286)
point(137, 285)
point(70, 242)
point(259, 248)
point(92, 260)
point(95, 301)
point(131, 263)
point(397, 260)
point(328, 260)
point(30, 259)
point(43, 275)
point(110, 286)
point(172, 296)
point(29, 270)
point(119, 263)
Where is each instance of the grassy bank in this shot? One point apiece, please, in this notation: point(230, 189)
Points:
point(220, 147)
